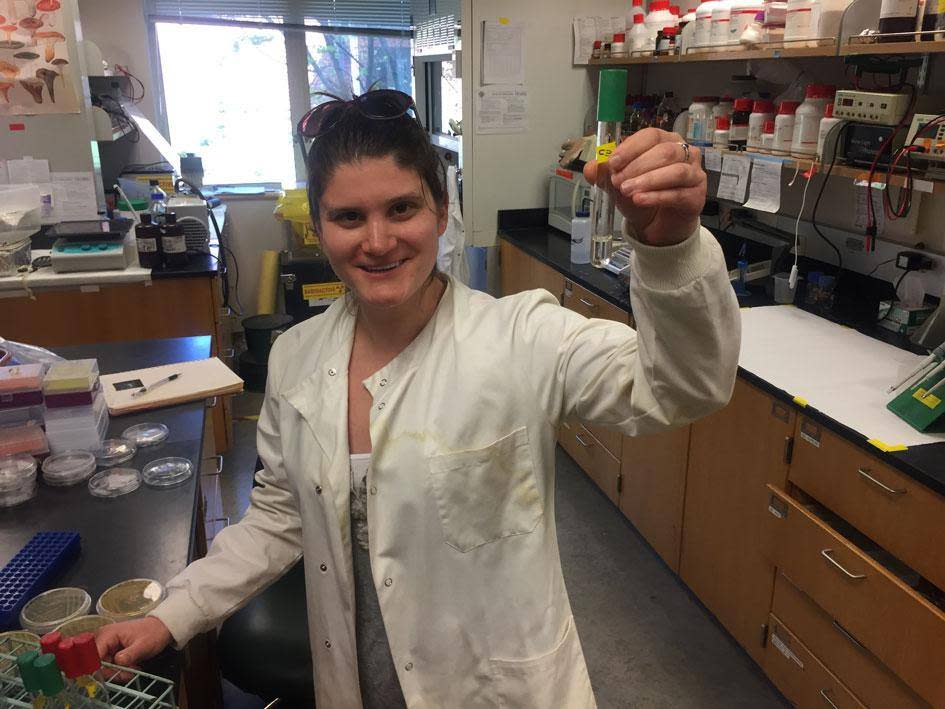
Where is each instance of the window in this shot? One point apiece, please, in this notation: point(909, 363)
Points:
point(235, 84)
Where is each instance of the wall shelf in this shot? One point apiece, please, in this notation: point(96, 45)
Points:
point(855, 48)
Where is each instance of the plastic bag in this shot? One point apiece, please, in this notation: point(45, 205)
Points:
point(451, 257)
point(21, 353)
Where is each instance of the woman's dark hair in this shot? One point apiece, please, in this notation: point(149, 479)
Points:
point(356, 136)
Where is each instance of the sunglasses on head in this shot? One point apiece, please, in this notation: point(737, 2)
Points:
point(380, 105)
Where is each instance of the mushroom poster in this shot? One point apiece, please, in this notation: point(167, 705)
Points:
point(34, 61)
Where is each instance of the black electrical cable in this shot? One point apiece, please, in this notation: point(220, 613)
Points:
point(820, 193)
point(880, 265)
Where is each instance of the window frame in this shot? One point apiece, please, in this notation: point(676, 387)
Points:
point(296, 68)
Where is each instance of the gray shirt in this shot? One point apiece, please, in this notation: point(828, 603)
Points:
point(380, 688)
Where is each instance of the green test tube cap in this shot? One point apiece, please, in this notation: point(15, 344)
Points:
point(50, 678)
point(611, 94)
point(28, 672)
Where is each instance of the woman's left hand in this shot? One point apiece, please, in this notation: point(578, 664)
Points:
point(656, 183)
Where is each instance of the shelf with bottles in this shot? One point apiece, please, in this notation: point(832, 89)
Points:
point(816, 48)
point(908, 47)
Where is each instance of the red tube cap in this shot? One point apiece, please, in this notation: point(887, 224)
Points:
point(768, 127)
point(722, 123)
point(619, 37)
point(88, 661)
point(68, 659)
point(788, 108)
point(743, 104)
point(828, 112)
point(50, 642)
point(638, 19)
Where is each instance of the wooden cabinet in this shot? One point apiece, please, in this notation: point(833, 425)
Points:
point(800, 675)
point(593, 458)
point(834, 646)
point(653, 472)
point(581, 300)
point(901, 515)
point(733, 455)
point(520, 272)
point(900, 627)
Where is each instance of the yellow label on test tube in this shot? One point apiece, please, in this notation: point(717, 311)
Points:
point(605, 151)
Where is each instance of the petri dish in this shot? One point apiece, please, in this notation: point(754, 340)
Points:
point(16, 471)
point(83, 624)
point(16, 642)
point(167, 472)
point(49, 610)
point(146, 434)
point(68, 468)
point(114, 482)
point(115, 451)
point(130, 599)
point(12, 498)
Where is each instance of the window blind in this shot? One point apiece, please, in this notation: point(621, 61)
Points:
point(369, 14)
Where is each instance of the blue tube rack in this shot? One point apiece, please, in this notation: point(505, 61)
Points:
point(45, 557)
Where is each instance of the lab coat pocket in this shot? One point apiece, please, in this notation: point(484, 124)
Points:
point(556, 679)
point(486, 494)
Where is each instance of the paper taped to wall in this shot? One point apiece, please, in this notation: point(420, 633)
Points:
point(764, 191)
point(734, 179)
point(501, 109)
point(503, 52)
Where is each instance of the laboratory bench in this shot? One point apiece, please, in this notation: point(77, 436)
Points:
point(149, 533)
point(124, 306)
point(821, 554)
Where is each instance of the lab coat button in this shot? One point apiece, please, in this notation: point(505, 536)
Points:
point(332, 372)
point(381, 406)
point(373, 489)
point(328, 644)
point(408, 666)
point(318, 489)
point(388, 582)
point(383, 382)
point(323, 567)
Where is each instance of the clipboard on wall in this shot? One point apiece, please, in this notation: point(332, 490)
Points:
point(199, 379)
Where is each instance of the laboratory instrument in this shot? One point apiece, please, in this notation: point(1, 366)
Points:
point(882, 109)
point(935, 357)
point(567, 192)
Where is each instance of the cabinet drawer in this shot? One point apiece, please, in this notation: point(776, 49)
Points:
point(901, 515)
point(590, 454)
point(582, 301)
point(800, 675)
point(873, 683)
point(609, 438)
point(903, 630)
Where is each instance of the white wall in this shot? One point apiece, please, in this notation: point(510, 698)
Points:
point(511, 171)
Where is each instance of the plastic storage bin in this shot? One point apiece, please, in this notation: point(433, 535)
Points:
point(28, 438)
point(71, 376)
point(72, 398)
point(21, 385)
point(21, 415)
point(78, 427)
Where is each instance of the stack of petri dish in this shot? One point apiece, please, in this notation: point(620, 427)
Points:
point(114, 482)
point(49, 610)
point(17, 479)
point(68, 468)
point(146, 434)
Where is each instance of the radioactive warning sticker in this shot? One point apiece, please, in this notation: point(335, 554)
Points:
point(321, 294)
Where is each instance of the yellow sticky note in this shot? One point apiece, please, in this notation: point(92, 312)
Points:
point(931, 400)
point(605, 151)
point(503, 20)
point(886, 447)
point(800, 401)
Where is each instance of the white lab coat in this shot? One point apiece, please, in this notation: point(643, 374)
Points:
point(463, 550)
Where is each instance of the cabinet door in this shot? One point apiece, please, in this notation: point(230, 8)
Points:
point(733, 455)
point(520, 272)
point(592, 457)
point(654, 485)
point(582, 301)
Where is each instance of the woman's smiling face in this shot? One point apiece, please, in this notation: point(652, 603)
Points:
point(379, 230)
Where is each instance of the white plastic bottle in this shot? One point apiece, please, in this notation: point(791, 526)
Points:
point(701, 123)
point(703, 36)
point(687, 31)
point(767, 137)
point(742, 15)
point(581, 238)
point(813, 19)
point(723, 108)
point(635, 7)
point(784, 128)
point(720, 137)
point(640, 40)
point(762, 111)
point(807, 119)
point(659, 17)
point(721, 22)
point(826, 125)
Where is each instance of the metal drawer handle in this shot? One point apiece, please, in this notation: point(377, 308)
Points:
point(826, 554)
point(827, 699)
point(228, 353)
point(582, 441)
point(846, 633)
point(588, 303)
point(219, 459)
point(211, 402)
point(882, 486)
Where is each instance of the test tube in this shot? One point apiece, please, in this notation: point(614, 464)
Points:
point(611, 99)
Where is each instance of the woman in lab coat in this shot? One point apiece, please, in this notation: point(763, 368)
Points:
point(408, 434)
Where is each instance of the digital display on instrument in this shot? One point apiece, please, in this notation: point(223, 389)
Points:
point(846, 102)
